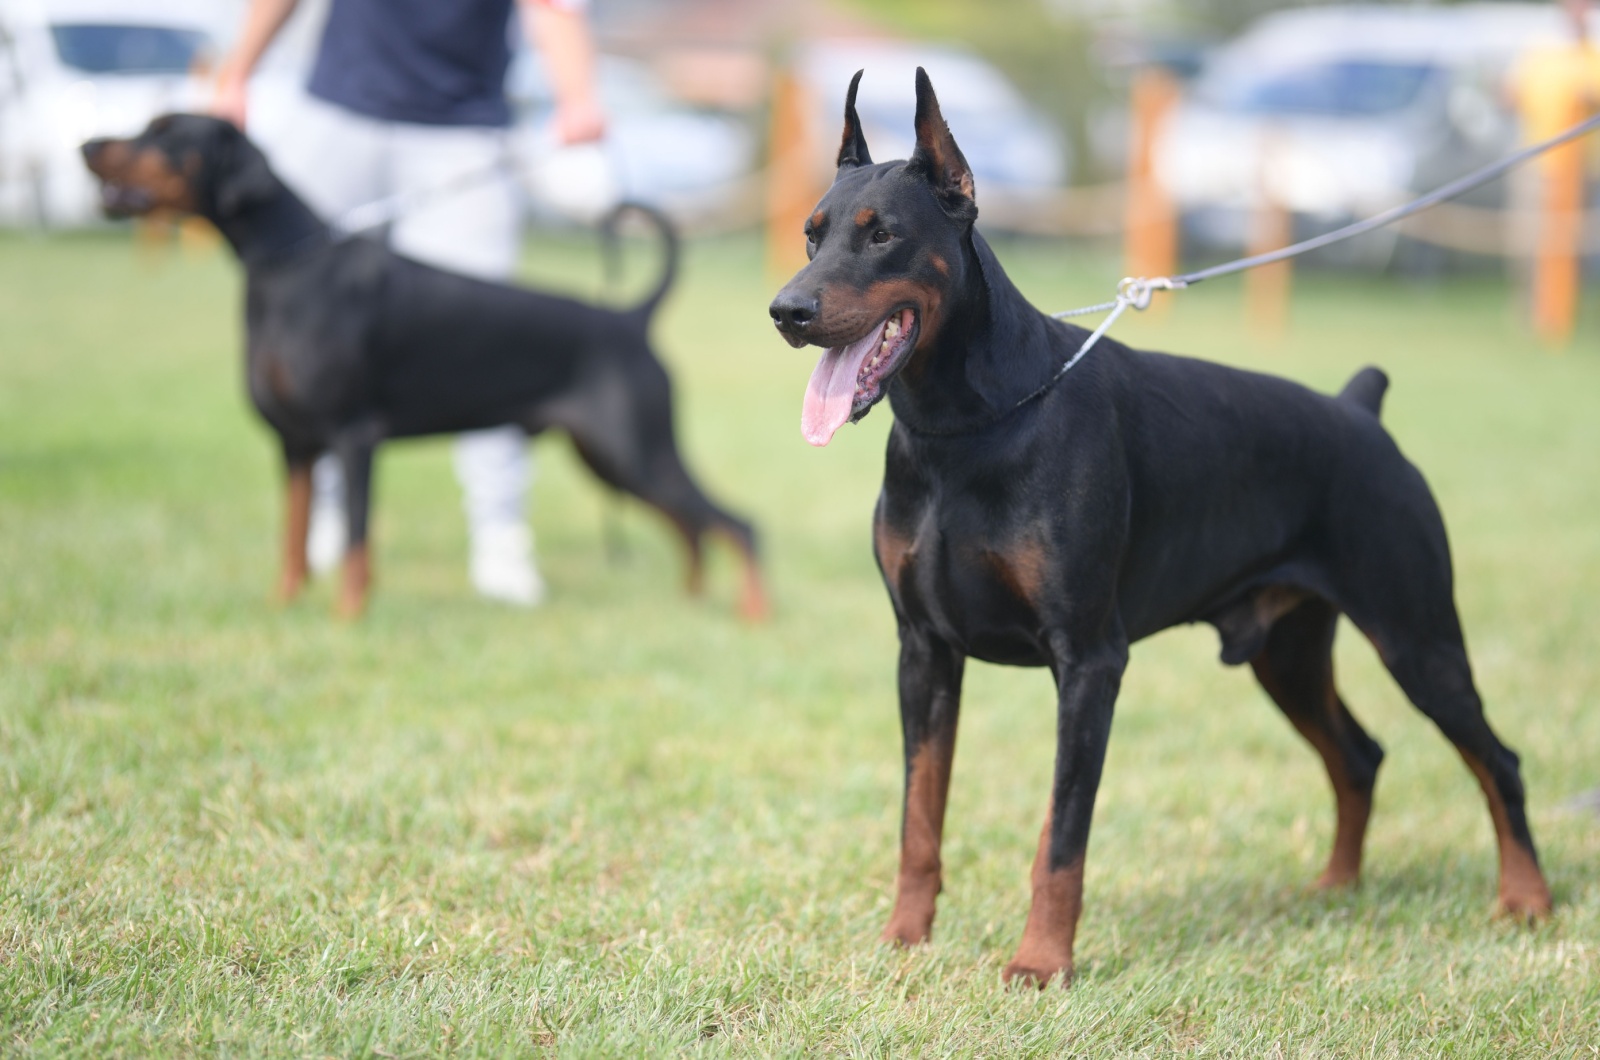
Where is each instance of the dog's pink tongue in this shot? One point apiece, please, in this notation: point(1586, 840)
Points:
point(832, 390)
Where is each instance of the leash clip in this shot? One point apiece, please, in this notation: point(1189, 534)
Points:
point(1135, 291)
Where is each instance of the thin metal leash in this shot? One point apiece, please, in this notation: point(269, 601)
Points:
point(390, 208)
point(1134, 292)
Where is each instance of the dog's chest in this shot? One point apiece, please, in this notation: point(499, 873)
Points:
point(982, 583)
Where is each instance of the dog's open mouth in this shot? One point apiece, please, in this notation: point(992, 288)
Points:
point(123, 200)
point(849, 380)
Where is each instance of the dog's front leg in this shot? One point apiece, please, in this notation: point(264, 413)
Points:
point(1088, 677)
point(296, 521)
point(930, 702)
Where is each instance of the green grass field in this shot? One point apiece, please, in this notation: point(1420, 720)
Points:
point(628, 824)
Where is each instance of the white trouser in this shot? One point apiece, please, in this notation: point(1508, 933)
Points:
point(337, 160)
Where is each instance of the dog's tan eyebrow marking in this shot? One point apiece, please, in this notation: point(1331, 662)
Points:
point(816, 219)
point(865, 216)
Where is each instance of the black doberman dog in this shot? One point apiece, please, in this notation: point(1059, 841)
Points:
point(1033, 523)
point(350, 344)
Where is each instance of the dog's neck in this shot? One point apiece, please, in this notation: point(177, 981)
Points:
point(992, 350)
point(279, 229)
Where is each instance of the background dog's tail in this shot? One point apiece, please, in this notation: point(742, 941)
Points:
point(1366, 388)
point(669, 250)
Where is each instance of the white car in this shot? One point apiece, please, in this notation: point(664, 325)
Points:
point(1340, 112)
point(75, 69)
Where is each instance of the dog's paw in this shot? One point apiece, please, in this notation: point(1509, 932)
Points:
point(1527, 907)
point(907, 931)
point(1333, 879)
point(1037, 971)
point(753, 607)
point(288, 589)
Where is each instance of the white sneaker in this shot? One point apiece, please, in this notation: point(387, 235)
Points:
point(502, 565)
point(325, 538)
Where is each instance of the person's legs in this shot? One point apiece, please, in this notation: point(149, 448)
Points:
point(335, 160)
point(475, 229)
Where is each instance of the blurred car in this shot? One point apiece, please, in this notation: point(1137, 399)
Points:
point(75, 69)
point(1340, 112)
point(656, 150)
point(1018, 157)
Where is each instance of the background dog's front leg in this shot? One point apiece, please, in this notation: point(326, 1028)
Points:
point(930, 702)
point(296, 521)
point(1088, 680)
point(355, 449)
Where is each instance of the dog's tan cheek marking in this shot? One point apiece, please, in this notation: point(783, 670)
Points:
point(150, 171)
point(941, 265)
point(928, 300)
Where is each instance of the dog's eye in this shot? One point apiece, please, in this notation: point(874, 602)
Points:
point(881, 236)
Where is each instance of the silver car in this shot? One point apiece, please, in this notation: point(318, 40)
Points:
point(1340, 112)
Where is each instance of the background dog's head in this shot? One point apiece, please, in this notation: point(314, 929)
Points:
point(184, 163)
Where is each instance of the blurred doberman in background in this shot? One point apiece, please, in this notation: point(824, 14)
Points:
point(1035, 517)
point(349, 345)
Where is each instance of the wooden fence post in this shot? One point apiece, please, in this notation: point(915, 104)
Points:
point(792, 185)
point(1150, 220)
point(1556, 265)
point(1266, 289)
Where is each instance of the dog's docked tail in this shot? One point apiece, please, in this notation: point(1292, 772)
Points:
point(669, 251)
point(1366, 389)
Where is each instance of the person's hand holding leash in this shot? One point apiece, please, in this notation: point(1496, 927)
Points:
point(560, 34)
point(262, 21)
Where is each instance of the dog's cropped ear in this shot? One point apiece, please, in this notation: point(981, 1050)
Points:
point(938, 158)
point(242, 175)
point(853, 145)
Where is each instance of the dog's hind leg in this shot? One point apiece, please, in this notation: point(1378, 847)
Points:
point(1435, 675)
point(639, 456)
point(355, 448)
point(1295, 667)
point(930, 702)
point(1401, 595)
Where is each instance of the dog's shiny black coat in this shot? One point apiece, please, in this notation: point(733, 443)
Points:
point(1141, 491)
point(350, 344)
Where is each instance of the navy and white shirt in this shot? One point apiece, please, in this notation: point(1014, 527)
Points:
point(431, 62)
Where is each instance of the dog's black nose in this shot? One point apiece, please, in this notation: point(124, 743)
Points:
point(92, 148)
point(793, 312)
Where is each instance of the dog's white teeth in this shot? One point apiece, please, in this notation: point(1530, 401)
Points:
point(884, 348)
point(892, 329)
